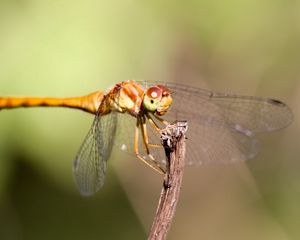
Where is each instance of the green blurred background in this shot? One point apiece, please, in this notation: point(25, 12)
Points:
point(66, 48)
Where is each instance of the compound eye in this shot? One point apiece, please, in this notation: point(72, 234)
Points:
point(154, 93)
point(165, 91)
point(152, 98)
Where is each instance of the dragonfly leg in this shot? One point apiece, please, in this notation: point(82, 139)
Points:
point(163, 121)
point(154, 164)
point(145, 135)
point(146, 143)
point(153, 124)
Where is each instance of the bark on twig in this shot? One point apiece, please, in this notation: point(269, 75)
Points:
point(173, 140)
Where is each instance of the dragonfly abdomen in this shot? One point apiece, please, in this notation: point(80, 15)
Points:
point(88, 103)
point(15, 102)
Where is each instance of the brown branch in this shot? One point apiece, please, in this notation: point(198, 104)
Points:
point(173, 140)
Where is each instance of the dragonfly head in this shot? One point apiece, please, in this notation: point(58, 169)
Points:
point(157, 99)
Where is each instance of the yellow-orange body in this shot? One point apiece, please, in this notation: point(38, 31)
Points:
point(124, 97)
point(129, 94)
point(88, 103)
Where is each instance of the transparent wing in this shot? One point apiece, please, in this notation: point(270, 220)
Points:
point(90, 162)
point(124, 139)
point(222, 127)
point(253, 113)
point(211, 141)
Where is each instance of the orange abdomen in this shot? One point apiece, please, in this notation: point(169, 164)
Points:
point(89, 103)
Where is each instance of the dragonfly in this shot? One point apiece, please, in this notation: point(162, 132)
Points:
point(223, 128)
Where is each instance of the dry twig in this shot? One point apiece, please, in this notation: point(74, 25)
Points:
point(173, 139)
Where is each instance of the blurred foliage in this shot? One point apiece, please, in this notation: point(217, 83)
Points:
point(39, 210)
point(65, 48)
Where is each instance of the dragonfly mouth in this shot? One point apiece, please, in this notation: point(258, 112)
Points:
point(160, 111)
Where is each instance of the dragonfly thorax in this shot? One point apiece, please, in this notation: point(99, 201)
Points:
point(127, 97)
point(130, 97)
